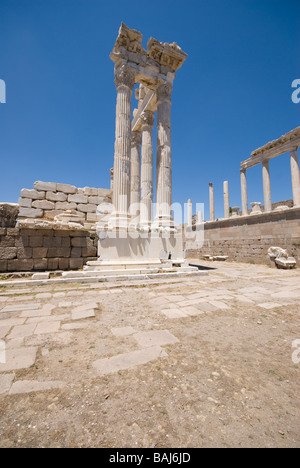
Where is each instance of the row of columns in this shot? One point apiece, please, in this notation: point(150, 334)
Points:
point(133, 180)
point(295, 176)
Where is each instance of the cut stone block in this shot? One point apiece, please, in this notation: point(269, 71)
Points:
point(56, 196)
point(83, 314)
point(174, 313)
point(77, 198)
point(269, 305)
point(25, 202)
point(128, 360)
point(123, 331)
point(6, 381)
point(4, 330)
point(43, 204)
point(40, 276)
point(19, 358)
point(47, 327)
point(65, 188)
point(155, 338)
point(45, 186)
point(33, 194)
point(20, 331)
point(28, 386)
point(30, 213)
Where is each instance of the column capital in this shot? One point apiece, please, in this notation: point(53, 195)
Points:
point(124, 76)
point(136, 138)
point(294, 148)
point(147, 118)
point(164, 92)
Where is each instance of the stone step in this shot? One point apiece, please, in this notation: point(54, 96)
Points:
point(131, 264)
point(131, 272)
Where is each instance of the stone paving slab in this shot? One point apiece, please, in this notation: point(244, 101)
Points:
point(191, 310)
point(123, 331)
point(28, 386)
point(174, 313)
point(269, 305)
point(47, 327)
point(4, 331)
point(6, 381)
point(19, 358)
point(83, 314)
point(128, 360)
point(21, 307)
point(155, 338)
point(20, 331)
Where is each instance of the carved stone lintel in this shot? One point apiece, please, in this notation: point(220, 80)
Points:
point(147, 118)
point(124, 76)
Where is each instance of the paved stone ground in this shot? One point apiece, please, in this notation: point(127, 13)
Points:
point(196, 362)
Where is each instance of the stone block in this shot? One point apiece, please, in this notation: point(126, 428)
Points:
point(87, 208)
point(53, 264)
point(90, 191)
point(41, 276)
point(59, 252)
point(43, 204)
point(36, 241)
point(64, 206)
point(95, 200)
point(50, 214)
point(6, 381)
point(92, 217)
point(25, 202)
point(40, 264)
point(64, 264)
point(8, 215)
point(65, 188)
point(52, 242)
point(76, 263)
point(45, 186)
point(30, 213)
point(24, 252)
point(76, 252)
point(78, 198)
point(39, 252)
point(29, 386)
point(33, 194)
point(78, 241)
point(19, 358)
point(89, 251)
point(56, 196)
point(20, 265)
point(8, 253)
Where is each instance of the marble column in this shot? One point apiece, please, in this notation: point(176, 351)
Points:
point(267, 186)
point(164, 158)
point(135, 182)
point(244, 192)
point(147, 121)
point(295, 176)
point(189, 213)
point(226, 199)
point(124, 79)
point(211, 202)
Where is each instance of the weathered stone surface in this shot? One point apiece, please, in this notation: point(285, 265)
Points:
point(276, 252)
point(6, 381)
point(28, 386)
point(19, 358)
point(155, 338)
point(65, 206)
point(8, 215)
point(285, 263)
point(25, 202)
point(77, 198)
point(88, 208)
point(65, 188)
point(45, 186)
point(30, 213)
point(33, 194)
point(56, 196)
point(43, 204)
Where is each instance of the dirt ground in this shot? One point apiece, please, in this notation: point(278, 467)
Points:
point(229, 380)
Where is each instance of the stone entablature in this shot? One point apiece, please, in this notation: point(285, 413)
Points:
point(49, 201)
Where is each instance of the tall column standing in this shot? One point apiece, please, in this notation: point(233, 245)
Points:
point(267, 186)
point(211, 202)
point(295, 176)
point(244, 192)
point(135, 183)
point(164, 158)
point(226, 199)
point(147, 121)
point(189, 213)
point(124, 79)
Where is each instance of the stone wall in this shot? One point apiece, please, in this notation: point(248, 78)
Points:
point(45, 249)
point(247, 238)
point(49, 199)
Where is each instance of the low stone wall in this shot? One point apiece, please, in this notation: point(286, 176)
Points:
point(45, 249)
point(49, 199)
point(247, 238)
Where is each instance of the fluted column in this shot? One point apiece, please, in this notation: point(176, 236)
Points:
point(189, 213)
point(135, 184)
point(147, 121)
point(211, 202)
point(124, 79)
point(267, 186)
point(226, 199)
point(295, 176)
point(164, 158)
point(244, 192)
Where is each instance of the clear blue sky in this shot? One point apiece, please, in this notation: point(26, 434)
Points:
point(232, 95)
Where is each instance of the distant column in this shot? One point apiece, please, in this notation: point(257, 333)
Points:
point(267, 186)
point(147, 121)
point(295, 176)
point(211, 202)
point(189, 213)
point(226, 199)
point(244, 192)
point(135, 182)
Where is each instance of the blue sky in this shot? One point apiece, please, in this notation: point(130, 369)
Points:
point(232, 95)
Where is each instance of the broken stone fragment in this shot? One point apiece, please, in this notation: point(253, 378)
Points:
point(8, 215)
